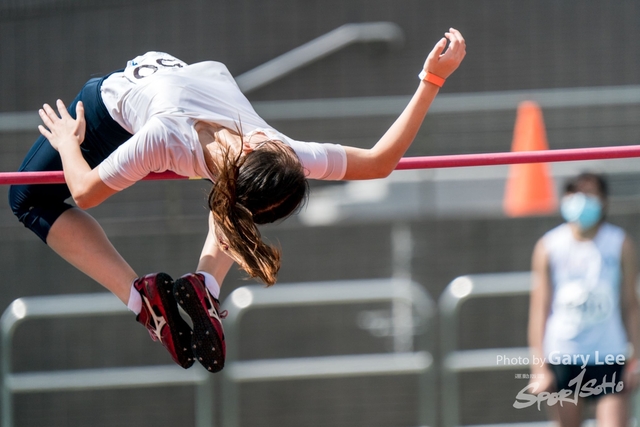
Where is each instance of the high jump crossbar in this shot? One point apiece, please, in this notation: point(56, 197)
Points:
point(426, 162)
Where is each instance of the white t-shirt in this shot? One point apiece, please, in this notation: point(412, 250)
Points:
point(159, 98)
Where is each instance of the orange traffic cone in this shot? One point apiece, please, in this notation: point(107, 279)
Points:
point(530, 189)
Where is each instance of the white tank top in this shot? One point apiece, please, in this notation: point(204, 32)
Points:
point(585, 317)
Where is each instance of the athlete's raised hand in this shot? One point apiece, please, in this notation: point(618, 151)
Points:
point(62, 129)
point(443, 62)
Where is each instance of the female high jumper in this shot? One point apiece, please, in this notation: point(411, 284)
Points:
point(161, 114)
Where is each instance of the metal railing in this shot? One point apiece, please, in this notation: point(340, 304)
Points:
point(399, 292)
point(316, 49)
point(102, 304)
point(372, 106)
point(456, 361)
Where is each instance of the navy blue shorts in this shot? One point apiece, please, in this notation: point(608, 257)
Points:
point(598, 380)
point(38, 206)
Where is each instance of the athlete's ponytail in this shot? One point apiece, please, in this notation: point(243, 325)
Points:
point(261, 187)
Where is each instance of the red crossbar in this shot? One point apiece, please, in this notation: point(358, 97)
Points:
point(57, 177)
point(427, 162)
point(490, 159)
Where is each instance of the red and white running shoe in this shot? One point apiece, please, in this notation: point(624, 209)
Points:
point(208, 344)
point(162, 319)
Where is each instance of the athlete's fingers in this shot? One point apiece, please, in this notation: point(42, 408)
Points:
point(447, 54)
point(455, 33)
point(460, 44)
point(437, 49)
point(49, 112)
point(44, 132)
point(463, 44)
point(457, 41)
point(454, 43)
point(79, 111)
point(62, 109)
point(45, 117)
point(80, 121)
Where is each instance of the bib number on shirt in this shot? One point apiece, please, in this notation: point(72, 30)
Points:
point(581, 308)
point(151, 63)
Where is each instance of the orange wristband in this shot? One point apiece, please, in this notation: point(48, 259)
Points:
point(431, 78)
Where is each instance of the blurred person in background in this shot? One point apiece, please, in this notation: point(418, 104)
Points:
point(583, 319)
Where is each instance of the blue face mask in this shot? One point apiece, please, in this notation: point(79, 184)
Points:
point(582, 209)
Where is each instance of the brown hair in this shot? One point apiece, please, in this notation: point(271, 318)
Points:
point(261, 187)
point(574, 184)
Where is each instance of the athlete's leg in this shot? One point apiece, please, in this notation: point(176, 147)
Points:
point(567, 414)
point(78, 238)
point(198, 294)
point(612, 410)
point(72, 233)
point(81, 241)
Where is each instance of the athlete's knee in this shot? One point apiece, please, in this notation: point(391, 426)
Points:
point(17, 201)
point(36, 213)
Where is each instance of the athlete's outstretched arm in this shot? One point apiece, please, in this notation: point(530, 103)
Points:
point(381, 160)
point(65, 135)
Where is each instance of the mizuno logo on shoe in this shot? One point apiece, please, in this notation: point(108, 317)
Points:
point(212, 311)
point(158, 321)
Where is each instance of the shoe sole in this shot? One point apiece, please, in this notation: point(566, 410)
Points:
point(205, 344)
point(179, 329)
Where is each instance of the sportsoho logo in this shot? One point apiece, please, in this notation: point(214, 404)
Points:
point(578, 388)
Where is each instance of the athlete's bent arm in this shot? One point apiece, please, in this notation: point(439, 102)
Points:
point(381, 160)
point(65, 135)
